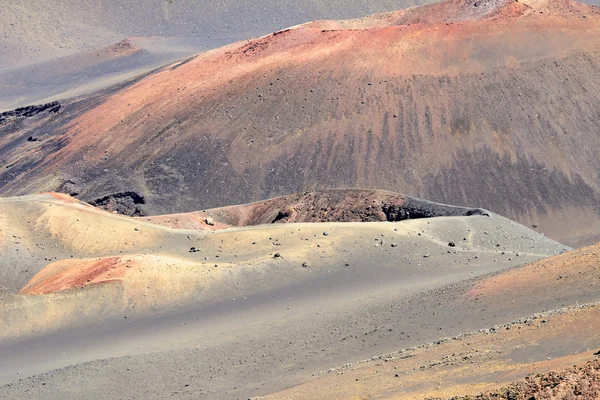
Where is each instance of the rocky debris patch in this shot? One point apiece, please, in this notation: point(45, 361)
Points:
point(30, 111)
point(125, 46)
point(282, 215)
point(125, 203)
point(579, 382)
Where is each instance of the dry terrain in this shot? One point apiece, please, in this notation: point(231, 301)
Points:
point(91, 71)
point(91, 297)
point(541, 348)
point(39, 30)
point(489, 104)
point(183, 220)
point(56, 49)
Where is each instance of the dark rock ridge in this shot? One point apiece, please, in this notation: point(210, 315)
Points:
point(414, 208)
point(125, 203)
point(30, 111)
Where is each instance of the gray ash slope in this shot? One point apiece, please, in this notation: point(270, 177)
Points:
point(90, 71)
point(39, 30)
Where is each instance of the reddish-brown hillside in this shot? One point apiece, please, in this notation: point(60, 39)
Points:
point(335, 205)
point(491, 104)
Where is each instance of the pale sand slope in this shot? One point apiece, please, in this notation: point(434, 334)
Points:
point(250, 326)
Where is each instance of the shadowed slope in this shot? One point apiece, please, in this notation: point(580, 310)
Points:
point(499, 111)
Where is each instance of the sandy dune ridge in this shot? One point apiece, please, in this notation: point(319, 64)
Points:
point(106, 293)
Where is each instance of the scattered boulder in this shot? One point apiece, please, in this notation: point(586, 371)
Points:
point(69, 187)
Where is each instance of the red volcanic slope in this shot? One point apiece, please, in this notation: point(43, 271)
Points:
point(69, 274)
point(334, 205)
point(487, 104)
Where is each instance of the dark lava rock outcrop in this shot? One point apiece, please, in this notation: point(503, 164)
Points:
point(30, 111)
point(126, 203)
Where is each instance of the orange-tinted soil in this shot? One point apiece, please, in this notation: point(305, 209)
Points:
point(579, 382)
point(472, 364)
point(576, 271)
point(69, 274)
